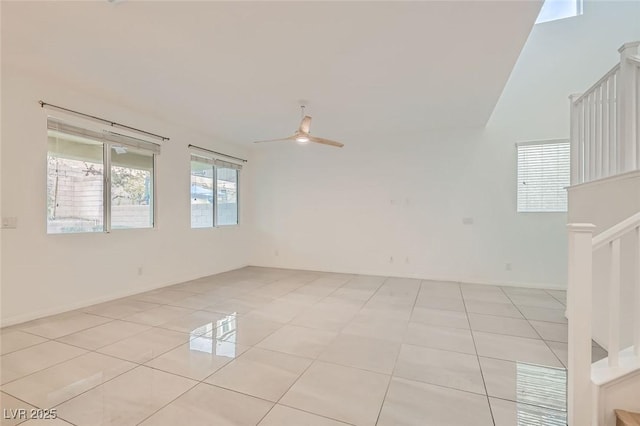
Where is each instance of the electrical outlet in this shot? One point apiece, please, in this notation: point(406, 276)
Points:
point(276, 253)
point(406, 260)
point(467, 221)
point(390, 259)
point(9, 222)
point(140, 270)
point(507, 266)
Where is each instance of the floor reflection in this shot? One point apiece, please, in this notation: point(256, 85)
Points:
point(541, 394)
point(204, 338)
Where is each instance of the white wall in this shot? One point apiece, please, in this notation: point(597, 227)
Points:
point(44, 274)
point(404, 194)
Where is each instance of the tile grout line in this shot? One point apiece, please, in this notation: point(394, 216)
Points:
point(537, 332)
point(473, 338)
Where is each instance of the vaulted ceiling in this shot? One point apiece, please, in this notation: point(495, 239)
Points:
point(237, 70)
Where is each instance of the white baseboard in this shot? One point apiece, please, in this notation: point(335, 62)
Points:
point(458, 279)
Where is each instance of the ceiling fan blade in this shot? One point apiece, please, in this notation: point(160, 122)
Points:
point(325, 141)
point(305, 124)
point(289, 138)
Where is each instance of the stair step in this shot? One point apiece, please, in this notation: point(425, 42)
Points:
point(627, 418)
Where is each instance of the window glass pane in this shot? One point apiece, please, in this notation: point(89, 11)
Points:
point(131, 188)
point(201, 195)
point(553, 10)
point(74, 184)
point(227, 196)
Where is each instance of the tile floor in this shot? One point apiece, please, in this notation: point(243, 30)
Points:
point(260, 346)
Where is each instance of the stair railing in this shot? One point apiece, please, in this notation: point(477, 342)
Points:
point(605, 139)
point(582, 244)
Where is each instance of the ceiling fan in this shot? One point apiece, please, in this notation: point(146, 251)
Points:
point(303, 136)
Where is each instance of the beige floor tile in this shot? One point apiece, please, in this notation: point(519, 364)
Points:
point(126, 400)
point(499, 377)
point(103, 335)
point(541, 301)
point(162, 296)
point(325, 318)
point(55, 385)
point(302, 341)
point(159, 315)
point(280, 310)
point(198, 322)
point(247, 330)
point(35, 358)
point(449, 339)
point(14, 340)
point(208, 405)
point(438, 367)
point(410, 403)
point(281, 415)
point(240, 305)
point(502, 325)
point(146, 345)
point(342, 393)
point(120, 308)
point(508, 413)
point(16, 411)
point(440, 302)
point(377, 327)
point(552, 331)
point(61, 325)
point(46, 422)
point(199, 358)
point(261, 373)
point(493, 308)
point(513, 348)
point(362, 352)
point(439, 317)
point(543, 314)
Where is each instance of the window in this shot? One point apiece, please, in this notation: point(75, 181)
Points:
point(553, 10)
point(98, 181)
point(543, 175)
point(214, 192)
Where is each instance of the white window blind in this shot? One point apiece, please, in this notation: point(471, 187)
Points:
point(543, 175)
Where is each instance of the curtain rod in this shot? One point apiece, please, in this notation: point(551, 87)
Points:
point(111, 123)
point(217, 153)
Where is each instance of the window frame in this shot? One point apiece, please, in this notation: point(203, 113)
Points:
point(213, 161)
point(517, 180)
point(107, 146)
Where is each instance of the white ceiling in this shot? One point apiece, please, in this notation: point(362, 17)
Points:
point(236, 70)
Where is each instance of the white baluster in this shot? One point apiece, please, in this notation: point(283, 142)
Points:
point(612, 126)
point(580, 309)
point(614, 304)
point(597, 133)
point(606, 94)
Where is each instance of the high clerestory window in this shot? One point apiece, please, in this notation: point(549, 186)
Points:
point(553, 10)
point(98, 180)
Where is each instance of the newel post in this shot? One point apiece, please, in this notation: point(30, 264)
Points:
point(579, 310)
point(627, 121)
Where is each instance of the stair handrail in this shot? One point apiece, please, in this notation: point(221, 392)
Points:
point(616, 231)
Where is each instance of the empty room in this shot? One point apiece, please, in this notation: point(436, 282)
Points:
point(323, 213)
